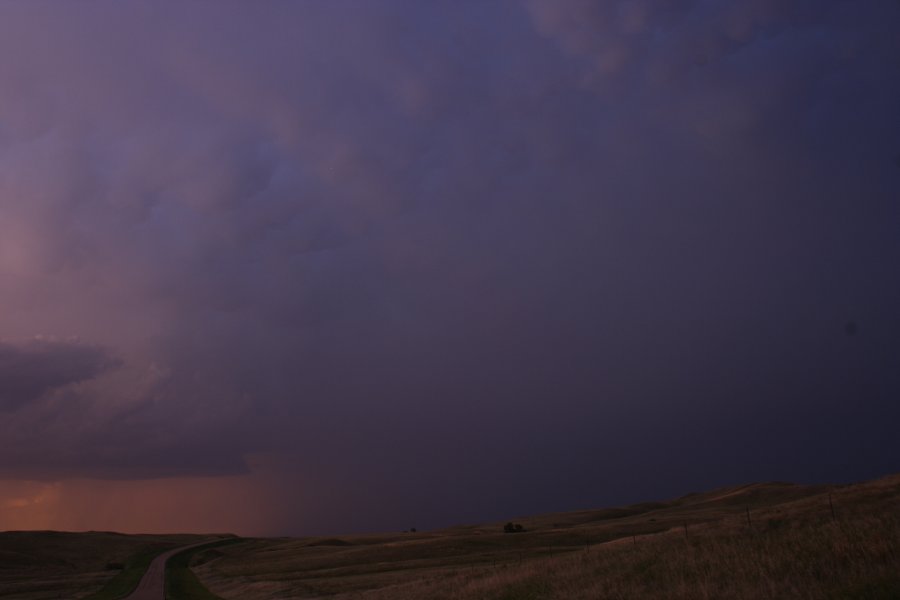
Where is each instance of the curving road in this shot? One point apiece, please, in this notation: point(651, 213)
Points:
point(153, 583)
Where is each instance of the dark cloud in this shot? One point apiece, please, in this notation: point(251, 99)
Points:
point(31, 369)
point(562, 252)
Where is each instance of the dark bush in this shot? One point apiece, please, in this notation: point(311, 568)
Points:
point(513, 528)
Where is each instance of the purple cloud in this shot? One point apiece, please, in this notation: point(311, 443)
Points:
point(577, 243)
point(31, 369)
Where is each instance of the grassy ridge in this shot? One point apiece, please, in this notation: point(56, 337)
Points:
point(771, 540)
point(48, 565)
point(854, 560)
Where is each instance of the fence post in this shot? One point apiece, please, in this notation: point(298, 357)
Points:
point(749, 524)
point(831, 504)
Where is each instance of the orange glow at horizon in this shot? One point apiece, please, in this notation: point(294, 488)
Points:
point(240, 504)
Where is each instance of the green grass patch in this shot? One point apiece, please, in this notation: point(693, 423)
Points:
point(129, 577)
point(181, 583)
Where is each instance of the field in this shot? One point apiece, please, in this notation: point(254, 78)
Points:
point(769, 540)
point(44, 565)
point(772, 540)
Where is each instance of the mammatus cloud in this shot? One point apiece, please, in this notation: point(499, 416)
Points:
point(31, 369)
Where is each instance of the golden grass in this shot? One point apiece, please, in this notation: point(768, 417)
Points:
point(792, 549)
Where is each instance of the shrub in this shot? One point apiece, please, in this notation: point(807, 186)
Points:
point(513, 528)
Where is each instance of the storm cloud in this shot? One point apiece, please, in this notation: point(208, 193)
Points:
point(563, 253)
point(28, 370)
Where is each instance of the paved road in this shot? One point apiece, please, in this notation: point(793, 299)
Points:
point(153, 583)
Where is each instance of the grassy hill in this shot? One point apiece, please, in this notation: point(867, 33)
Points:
point(766, 540)
point(44, 565)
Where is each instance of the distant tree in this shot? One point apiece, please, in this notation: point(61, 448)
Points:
point(412, 529)
point(513, 528)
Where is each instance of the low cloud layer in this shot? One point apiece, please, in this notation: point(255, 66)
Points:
point(564, 253)
point(31, 369)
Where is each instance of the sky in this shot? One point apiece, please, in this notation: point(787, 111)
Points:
point(289, 268)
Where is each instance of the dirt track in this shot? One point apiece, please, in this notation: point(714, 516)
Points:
point(153, 583)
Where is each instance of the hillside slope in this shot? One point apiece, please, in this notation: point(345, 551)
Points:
point(749, 541)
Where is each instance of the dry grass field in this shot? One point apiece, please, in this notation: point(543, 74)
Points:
point(698, 546)
point(45, 565)
point(771, 540)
